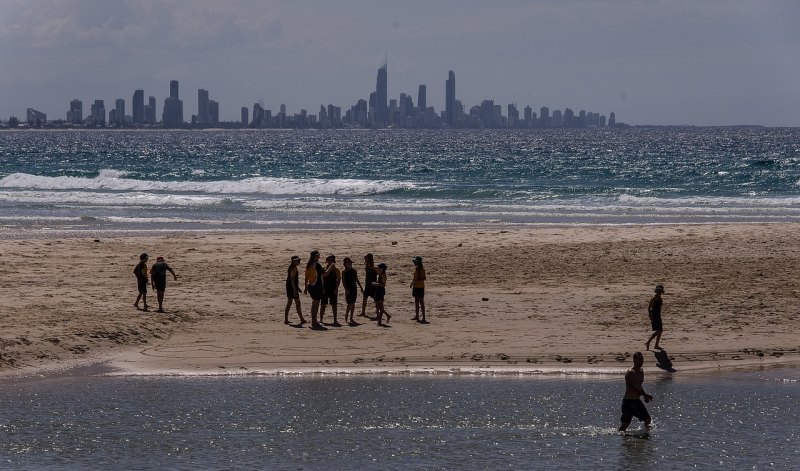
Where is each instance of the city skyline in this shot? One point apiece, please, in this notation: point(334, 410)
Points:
point(669, 62)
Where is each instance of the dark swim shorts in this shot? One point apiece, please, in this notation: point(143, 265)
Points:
point(633, 408)
point(351, 298)
point(369, 292)
point(418, 292)
point(142, 286)
point(655, 322)
point(160, 285)
point(331, 299)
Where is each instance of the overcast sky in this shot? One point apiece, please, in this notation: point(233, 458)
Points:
point(714, 62)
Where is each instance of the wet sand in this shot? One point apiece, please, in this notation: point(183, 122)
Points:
point(515, 301)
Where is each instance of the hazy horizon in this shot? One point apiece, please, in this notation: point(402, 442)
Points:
point(662, 62)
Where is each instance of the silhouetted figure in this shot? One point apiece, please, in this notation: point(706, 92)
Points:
point(418, 290)
point(654, 311)
point(293, 290)
point(158, 275)
point(631, 404)
point(351, 286)
point(141, 280)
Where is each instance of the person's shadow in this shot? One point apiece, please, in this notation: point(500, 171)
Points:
point(663, 361)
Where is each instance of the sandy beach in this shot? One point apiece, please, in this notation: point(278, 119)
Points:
point(518, 300)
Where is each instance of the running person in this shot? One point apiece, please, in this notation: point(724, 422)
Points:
point(351, 286)
point(631, 404)
point(418, 290)
point(293, 290)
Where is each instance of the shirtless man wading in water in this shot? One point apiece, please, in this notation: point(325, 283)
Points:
point(631, 404)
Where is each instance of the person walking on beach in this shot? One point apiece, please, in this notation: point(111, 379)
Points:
point(351, 286)
point(313, 287)
point(418, 290)
point(293, 290)
point(654, 311)
point(331, 278)
point(631, 404)
point(370, 276)
point(158, 274)
point(141, 280)
point(380, 294)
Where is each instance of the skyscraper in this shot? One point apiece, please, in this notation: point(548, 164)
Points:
point(173, 89)
point(138, 107)
point(120, 112)
point(382, 95)
point(422, 98)
point(172, 115)
point(450, 99)
point(203, 111)
point(99, 113)
point(245, 114)
point(150, 111)
point(75, 113)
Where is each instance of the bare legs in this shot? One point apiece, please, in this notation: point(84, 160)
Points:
point(299, 311)
point(656, 335)
point(419, 306)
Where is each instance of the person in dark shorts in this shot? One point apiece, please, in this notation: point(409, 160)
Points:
point(370, 276)
point(418, 290)
point(141, 280)
point(293, 290)
point(654, 311)
point(631, 404)
point(331, 278)
point(158, 275)
point(351, 286)
point(313, 287)
point(380, 294)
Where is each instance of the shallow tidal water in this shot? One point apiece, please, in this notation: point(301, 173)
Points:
point(717, 421)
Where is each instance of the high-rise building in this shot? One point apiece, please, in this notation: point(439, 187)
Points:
point(203, 111)
point(382, 95)
point(75, 113)
point(213, 111)
point(612, 119)
point(138, 107)
point(98, 113)
point(450, 99)
point(120, 112)
point(172, 115)
point(150, 111)
point(245, 115)
point(544, 117)
point(422, 99)
point(36, 118)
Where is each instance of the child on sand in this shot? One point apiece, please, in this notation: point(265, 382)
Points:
point(350, 282)
point(380, 294)
point(418, 290)
point(654, 311)
point(293, 290)
point(141, 280)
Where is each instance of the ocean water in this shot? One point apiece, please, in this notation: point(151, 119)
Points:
point(720, 421)
point(242, 180)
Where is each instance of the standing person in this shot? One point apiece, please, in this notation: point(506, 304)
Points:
point(370, 276)
point(350, 282)
point(331, 278)
point(158, 274)
point(141, 280)
point(380, 294)
point(654, 311)
point(313, 287)
point(418, 290)
point(293, 290)
point(631, 404)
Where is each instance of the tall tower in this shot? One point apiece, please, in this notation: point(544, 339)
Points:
point(203, 111)
point(173, 89)
point(422, 100)
point(450, 99)
point(382, 95)
point(138, 107)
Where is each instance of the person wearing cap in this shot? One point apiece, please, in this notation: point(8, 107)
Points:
point(418, 290)
point(631, 404)
point(313, 287)
point(351, 286)
point(380, 294)
point(331, 278)
point(370, 276)
point(654, 311)
point(293, 290)
point(158, 275)
point(141, 280)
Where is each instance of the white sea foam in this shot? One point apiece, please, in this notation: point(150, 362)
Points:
point(111, 180)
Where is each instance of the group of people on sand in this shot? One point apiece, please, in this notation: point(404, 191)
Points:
point(322, 285)
point(158, 279)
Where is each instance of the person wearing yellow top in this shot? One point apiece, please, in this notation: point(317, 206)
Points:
point(418, 290)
